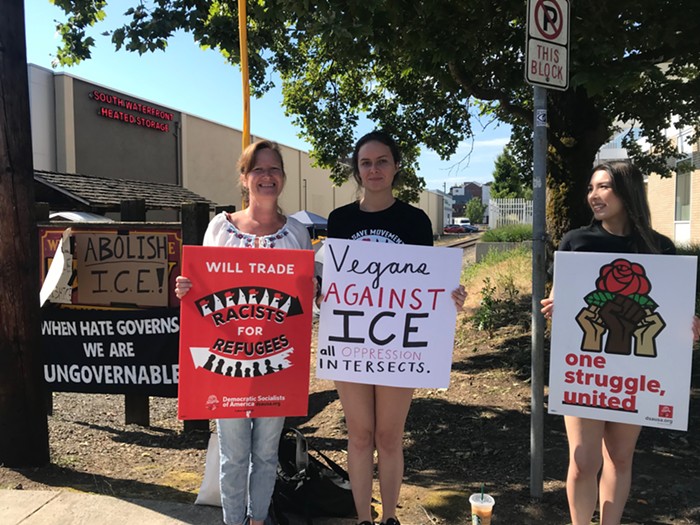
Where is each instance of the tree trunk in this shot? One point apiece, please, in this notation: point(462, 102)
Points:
point(571, 157)
point(24, 439)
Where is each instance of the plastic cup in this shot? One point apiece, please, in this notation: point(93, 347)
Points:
point(482, 508)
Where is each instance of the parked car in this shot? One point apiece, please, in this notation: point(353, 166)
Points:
point(460, 228)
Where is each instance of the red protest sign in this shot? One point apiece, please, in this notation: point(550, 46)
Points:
point(246, 333)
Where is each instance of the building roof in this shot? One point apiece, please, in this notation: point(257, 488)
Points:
point(90, 192)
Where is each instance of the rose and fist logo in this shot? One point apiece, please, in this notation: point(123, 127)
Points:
point(621, 308)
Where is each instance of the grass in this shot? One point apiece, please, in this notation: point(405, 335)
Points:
point(510, 233)
point(506, 269)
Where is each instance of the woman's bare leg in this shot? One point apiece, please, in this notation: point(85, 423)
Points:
point(619, 442)
point(585, 458)
point(391, 408)
point(358, 406)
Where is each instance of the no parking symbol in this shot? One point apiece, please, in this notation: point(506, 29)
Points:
point(549, 21)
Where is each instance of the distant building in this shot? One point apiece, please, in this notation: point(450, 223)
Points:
point(613, 149)
point(457, 191)
point(79, 127)
point(472, 190)
point(675, 201)
point(447, 203)
point(463, 193)
point(485, 199)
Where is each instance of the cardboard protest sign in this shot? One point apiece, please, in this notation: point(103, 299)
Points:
point(246, 333)
point(122, 269)
point(387, 316)
point(622, 338)
point(58, 256)
point(111, 351)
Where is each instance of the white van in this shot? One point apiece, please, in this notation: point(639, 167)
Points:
point(462, 221)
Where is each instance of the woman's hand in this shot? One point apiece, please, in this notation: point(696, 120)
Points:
point(547, 307)
point(182, 286)
point(459, 296)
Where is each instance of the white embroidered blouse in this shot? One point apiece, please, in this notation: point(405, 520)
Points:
point(221, 232)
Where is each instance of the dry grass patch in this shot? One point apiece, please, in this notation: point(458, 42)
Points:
point(510, 270)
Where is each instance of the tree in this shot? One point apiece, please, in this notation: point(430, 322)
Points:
point(510, 179)
point(24, 439)
point(474, 210)
point(421, 69)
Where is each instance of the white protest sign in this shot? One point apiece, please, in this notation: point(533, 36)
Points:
point(621, 337)
point(387, 316)
point(56, 287)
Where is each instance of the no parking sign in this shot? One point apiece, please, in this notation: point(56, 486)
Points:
point(547, 49)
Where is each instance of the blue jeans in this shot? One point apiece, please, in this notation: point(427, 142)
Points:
point(248, 449)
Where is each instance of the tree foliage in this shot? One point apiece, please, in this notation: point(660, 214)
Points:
point(511, 180)
point(421, 69)
point(474, 210)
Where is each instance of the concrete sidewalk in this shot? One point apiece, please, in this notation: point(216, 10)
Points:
point(30, 507)
point(40, 507)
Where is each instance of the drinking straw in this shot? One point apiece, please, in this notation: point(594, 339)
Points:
point(482, 492)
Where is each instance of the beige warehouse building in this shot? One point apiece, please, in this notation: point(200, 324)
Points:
point(86, 128)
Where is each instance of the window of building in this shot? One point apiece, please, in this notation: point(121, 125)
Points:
point(685, 147)
point(683, 196)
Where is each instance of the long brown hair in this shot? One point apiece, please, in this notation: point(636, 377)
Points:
point(628, 185)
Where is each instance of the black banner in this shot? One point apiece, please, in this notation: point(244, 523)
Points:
point(111, 352)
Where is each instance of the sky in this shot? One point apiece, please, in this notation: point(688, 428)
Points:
point(201, 83)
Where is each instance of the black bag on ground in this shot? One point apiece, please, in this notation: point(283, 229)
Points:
point(309, 483)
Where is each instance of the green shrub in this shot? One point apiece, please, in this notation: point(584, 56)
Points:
point(493, 311)
point(510, 233)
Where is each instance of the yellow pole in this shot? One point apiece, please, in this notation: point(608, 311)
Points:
point(243, 37)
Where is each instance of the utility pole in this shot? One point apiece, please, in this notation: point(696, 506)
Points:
point(24, 438)
point(547, 50)
point(539, 235)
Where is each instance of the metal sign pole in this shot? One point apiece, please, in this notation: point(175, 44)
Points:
point(538, 284)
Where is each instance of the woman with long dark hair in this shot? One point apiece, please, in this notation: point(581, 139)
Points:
point(601, 452)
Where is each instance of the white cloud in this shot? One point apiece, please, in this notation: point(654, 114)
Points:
point(497, 142)
point(492, 143)
point(466, 146)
